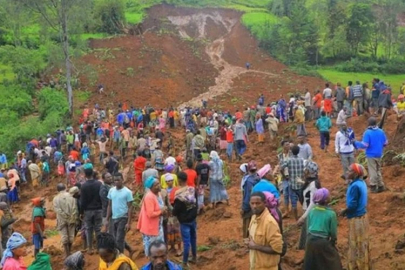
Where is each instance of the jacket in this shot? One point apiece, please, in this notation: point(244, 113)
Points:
point(90, 195)
point(344, 142)
point(183, 213)
point(265, 231)
point(384, 99)
point(250, 182)
point(299, 116)
point(149, 216)
point(356, 199)
point(323, 124)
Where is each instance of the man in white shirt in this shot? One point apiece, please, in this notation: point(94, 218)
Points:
point(327, 92)
point(344, 147)
point(342, 116)
point(170, 161)
point(308, 107)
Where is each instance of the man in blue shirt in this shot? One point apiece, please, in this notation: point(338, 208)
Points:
point(158, 258)
point(119, 210)
point(374, 141)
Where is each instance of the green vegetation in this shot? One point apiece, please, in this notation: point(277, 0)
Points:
point(343, 77)
point(259, 22)
point(319, 32)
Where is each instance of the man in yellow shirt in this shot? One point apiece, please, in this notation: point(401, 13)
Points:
point(400, 106)
point(299, 120)
point(265, 240)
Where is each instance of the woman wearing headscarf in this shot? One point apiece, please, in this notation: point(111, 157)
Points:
point(244, 172)
point(75, 261)
point(150, 222)
point(264, 174)
point(320, 249)
point(311, 185)
point(217, 188)
point(13, 254)
point(356, 212)
point(169, 168)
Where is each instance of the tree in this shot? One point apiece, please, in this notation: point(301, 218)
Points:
point(111, 16)
point(359, 25)
point(386, 19)
point(335, 18)
point(59, 15)
point(281, 7)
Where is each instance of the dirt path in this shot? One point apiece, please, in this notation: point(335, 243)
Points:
point(215, 50)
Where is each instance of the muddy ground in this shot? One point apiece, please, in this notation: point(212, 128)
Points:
point(189, 54)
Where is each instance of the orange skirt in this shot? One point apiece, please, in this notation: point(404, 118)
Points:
point(327, 104)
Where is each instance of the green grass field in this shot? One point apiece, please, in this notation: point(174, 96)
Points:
point(258, 22)
point(343, 77)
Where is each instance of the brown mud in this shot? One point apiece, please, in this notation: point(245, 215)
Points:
point(189, 54)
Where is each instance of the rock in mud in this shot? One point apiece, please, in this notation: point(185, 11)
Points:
point(400, 244)
point(227, 215)
point(214, 241)
point(52, 250)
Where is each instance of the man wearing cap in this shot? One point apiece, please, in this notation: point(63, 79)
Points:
point(246, 211)
point(91, 206)
point(66, 215)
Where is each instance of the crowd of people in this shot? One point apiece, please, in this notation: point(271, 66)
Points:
point(174, 176)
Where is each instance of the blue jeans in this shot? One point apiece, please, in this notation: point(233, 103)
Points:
point(325, 137)
point(189, 236)
point(229, 149)
point(240, 147)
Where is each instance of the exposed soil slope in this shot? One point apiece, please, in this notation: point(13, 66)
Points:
point(171, 70)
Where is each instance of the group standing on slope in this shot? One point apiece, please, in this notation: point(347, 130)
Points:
point(174, 179)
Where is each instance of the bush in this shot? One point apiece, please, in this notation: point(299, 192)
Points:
point(110, 16)
point(52, 103)
point(306, 71)
point(16, 100)
point(356, 65)
point(394, 66)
